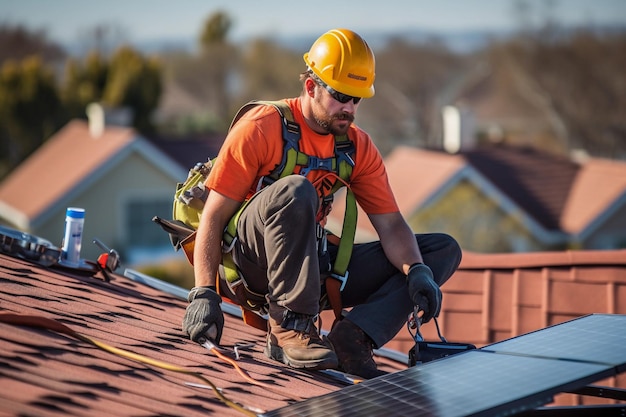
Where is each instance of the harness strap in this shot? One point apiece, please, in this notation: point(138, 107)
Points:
point(341, 164)
point(248, 301)
point(336, 281)
point(348, 232)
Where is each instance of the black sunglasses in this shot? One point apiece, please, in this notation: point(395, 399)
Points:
point(340, 97)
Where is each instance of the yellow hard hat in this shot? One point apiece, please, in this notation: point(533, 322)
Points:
point(344, 61)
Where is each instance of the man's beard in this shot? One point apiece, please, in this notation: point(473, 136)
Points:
point(325, 121)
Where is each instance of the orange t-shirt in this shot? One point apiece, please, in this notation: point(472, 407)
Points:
point(254, 147)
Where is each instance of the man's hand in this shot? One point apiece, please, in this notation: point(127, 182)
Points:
point(424, 291)
point(204, 317)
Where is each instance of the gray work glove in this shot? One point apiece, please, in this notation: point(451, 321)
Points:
point(204, 317)
point(424, 291)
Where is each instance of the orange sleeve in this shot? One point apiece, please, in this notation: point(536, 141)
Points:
point(252, 149)
point(369, 180)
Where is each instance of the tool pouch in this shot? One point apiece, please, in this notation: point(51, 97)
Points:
point(424, 351)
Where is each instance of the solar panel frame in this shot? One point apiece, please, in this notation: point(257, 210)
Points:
point(455, 386)
point(499, 380)
point(596, 338)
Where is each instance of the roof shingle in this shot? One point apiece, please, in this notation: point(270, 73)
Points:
point(45, 373)
point(537, 182)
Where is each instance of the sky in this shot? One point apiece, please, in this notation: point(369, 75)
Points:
point(65, 21)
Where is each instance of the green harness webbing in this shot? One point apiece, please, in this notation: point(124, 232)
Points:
point(341, 164)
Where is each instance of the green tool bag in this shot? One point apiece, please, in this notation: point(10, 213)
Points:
point(189, 199)
point(190, 196)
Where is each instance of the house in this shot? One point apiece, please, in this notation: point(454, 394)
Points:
point(506, 199)
point(156, 370)
point(505, 103)
point(118, 177)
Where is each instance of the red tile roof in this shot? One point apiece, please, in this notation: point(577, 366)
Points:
point(493, 297)
point(427, 177)
point(69, 164)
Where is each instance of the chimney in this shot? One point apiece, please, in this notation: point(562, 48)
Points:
point(99, 117)
point(458, 129)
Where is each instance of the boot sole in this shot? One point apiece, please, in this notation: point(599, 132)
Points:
point(365, 372)
point(276, 353)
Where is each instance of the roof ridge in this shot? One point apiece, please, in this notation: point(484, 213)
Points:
point(475, 260)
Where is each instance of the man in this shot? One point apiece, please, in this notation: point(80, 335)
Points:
point(276, 250)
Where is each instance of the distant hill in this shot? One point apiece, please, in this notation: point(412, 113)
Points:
point(461, 41)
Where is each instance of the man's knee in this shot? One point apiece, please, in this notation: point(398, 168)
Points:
point(453, 249)
point(299, 193)
point(442, 253)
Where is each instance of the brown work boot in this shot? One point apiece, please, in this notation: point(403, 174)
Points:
point(299, 346)
point(354, 350)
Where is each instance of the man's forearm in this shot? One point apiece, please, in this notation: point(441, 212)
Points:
point(403, 250)
point(207, 253)
point(398, 240)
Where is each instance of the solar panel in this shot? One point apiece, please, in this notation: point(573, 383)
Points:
point(510, 377)
point(595, 338)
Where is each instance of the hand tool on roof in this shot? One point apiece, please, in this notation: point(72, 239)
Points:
point(108, 261)
point(28, 247)
point(212, 347)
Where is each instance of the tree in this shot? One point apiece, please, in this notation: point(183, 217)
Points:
point(215, 30)
point(582, 75)
point(219, 57)
point(271, 72)
point(410, 83)
point(84, 83)
point(18, 43)
point(135, 82)
point(128, 79)
point(30, 109)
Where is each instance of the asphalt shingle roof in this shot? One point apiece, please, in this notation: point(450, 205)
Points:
point(46, 373)
point(537, 182)
point(36, 184)
point(490, 298)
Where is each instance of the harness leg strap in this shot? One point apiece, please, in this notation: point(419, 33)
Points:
point(333, 293)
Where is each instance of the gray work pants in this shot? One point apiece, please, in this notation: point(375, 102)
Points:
point(276, 252)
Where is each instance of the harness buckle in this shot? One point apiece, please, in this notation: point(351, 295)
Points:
point(326, 164)
point(314, 162)
point(230, 246)
point(246, 297)
point(292, 128)
point(343, 279)
point(344, 150)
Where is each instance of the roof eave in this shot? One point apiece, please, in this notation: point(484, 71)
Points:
point(138, 144)
point(597, 222)
point(16, 217)
point(548, 237)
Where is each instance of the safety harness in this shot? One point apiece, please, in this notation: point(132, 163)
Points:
point(191, 196)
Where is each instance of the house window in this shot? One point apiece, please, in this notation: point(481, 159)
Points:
point(141, 230)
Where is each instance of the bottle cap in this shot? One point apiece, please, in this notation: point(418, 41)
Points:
point(75, 213)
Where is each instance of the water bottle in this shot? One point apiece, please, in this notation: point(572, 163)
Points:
point(74, 221)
